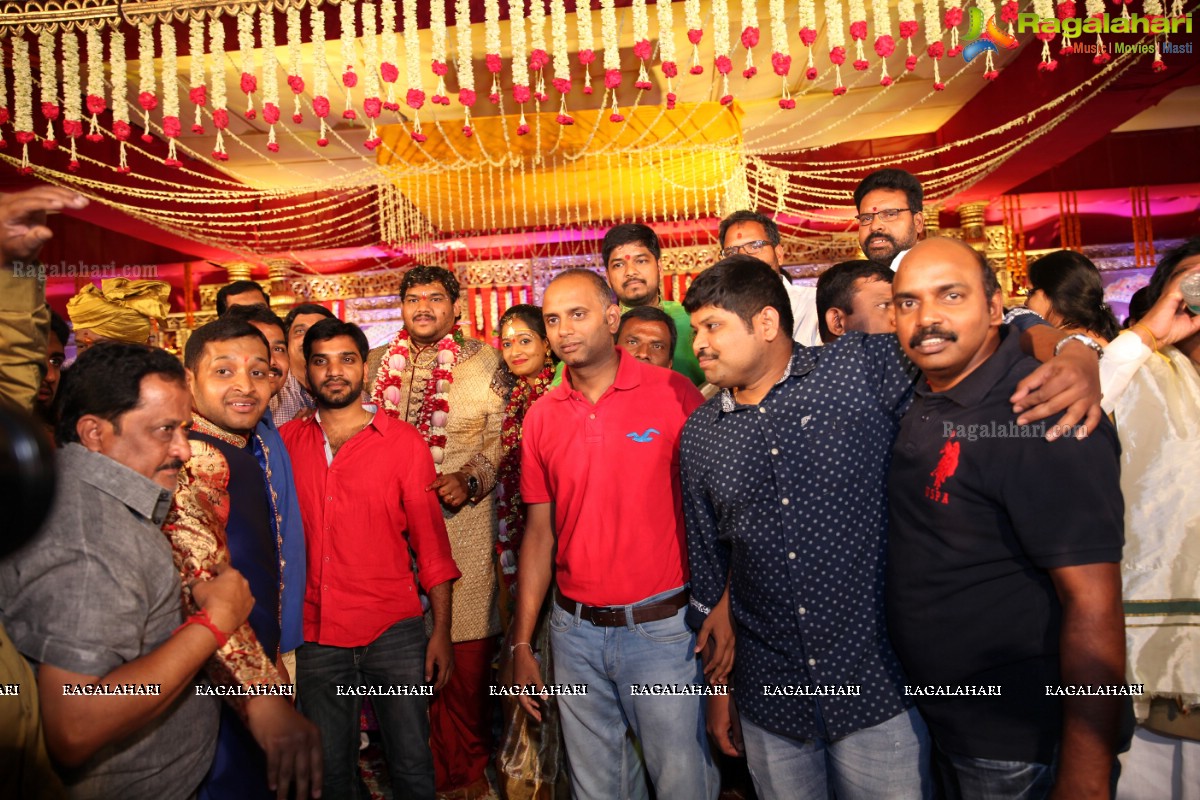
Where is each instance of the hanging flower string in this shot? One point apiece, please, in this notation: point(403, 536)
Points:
point(249, 83)
point(491, 43)
point(1094, 9)
point(885, 45)
point(23, 100)
point(121, 128)
point(907, 11)
point(48, 63)
point(216, 66)
point(295, 68)
point(988, 12)
point(836, 34)
point(520, 67)
point(781, 61)
point(435, 405)
point(691, 18)
point(721, 60)
point(1045, 10)
point(95, 83)
point(415, 96)
point(72, 94)
point(1066, 10)
point(934, 48)
point(562, 57)
point(372, 102)
point(1151, 9)
point(388, 70)
point(750, 35)
point(197, 93)
point(170, 80)
point(666, 47)
point(349, 57)
point(642, 49)
point(4, 111)
point(1009, 11)
point(466, 62)
point(808, 34)
point(612, 57)
point(858, 32)
point(437, 50)
point(538, 57)
point(585, 40)
point(320, 74)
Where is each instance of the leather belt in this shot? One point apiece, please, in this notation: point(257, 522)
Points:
point(614, 616)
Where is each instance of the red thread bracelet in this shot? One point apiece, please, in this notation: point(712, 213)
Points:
point(202, 618)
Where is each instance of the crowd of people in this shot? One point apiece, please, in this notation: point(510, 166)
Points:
point(881, 537)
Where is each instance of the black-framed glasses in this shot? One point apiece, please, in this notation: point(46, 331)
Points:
point(885, 214)
point(749, 248)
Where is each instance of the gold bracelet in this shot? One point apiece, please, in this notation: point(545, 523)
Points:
point(1150, 333)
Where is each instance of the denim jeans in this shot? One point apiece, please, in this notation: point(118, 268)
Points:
point(886, 761)
point(968, 778)
point(602, 760)
point(396, 658)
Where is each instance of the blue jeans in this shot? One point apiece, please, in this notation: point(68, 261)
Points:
point(602, 760)
point(395, 658)
point(967, 778)
point(886, 761)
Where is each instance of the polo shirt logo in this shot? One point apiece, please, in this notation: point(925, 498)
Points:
point(944, 470)
point(648, 436)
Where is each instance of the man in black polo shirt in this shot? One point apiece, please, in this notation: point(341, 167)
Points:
point(1003, 584)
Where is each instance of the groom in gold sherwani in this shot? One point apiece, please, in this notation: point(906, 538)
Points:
point(453, 390)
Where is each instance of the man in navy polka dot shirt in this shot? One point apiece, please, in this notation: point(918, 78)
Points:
point(792, 513)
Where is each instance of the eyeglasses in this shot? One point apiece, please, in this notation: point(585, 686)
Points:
point(886, 214)
point(749, 248)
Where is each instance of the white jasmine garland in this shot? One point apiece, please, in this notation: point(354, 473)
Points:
point(608, 35)
point(520, 57)
point(320, 64)
point(216, 62)
point(295, 68)
point(666, 29)
point(72, 95)
point(170, 70)
point(437, 30)
point(465, 46)
point(22, 99)
point(249, 82)
point(119, 68)
point(560, 46)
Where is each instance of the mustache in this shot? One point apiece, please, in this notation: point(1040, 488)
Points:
point(881, 237)
point(628, 281)
point(173, 464)
point(931, 332)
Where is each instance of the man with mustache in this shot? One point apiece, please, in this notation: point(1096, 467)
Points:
point(291, 528)
point(93, 600)
point(1004, 552)
point(793, 519)
point(225, 512)
point(363, 481)
point(890, 215)
point(453, 390)
point(55, 356)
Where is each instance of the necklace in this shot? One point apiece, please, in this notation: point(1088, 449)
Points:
point(435, 405)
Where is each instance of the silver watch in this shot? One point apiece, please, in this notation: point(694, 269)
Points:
point(1082, 339)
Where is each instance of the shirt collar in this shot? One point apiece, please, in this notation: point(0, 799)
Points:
point(202, 425)
point(268, 420)
point(145, 497)
point(629, 376)
point(970, 391)
point(800, 364)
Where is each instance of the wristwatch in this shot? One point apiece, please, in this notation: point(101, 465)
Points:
point(1079, 337)
point(472, 487)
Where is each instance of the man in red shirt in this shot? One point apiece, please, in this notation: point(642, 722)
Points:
point(603, 447)
point(362, 480)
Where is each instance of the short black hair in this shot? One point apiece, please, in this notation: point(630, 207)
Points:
point(768, 225)
point(835, 288)
point(222, 329)
point(650, 314)
point(260, 314)
point(629, 233)
point(238, 287)
point(106, 381)
point(894, 179)
point(328, 329)
point(531, 315)
point(603, 290)
point(1073, 287)
point(59, 327)
point(742, 285)
point(1138, 306)
point(301, 309)
point(1170, 261)
point(422, 274)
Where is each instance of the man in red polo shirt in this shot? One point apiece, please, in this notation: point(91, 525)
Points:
point(362, 479)
point(603, 447)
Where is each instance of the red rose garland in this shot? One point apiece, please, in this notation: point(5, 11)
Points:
point(435, 407)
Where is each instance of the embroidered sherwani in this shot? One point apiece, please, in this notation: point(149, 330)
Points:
point(476, 399)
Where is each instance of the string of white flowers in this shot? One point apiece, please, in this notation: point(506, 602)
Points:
point(666, 46)
point(835, 32)
point(1150, 9)
point(5, 115)
point(934, 48)
point(170, 91)
point(270, 73)
point(320, 103)
point(885, 45)
point(559, 46)
point(95, 82)
point(466, 61)
point(295, 68)
point(612, 56)
point(538, 57)
point(72, 94)
point(585, 40)
point(1045, 10)
point(641, 43)
point(953, 18)
point(415, 97)
point(249, 81)
point(906, 10)
point(350, 57)
point(372, 103)
point(691, 18)
point(750, 35)
point(781, 59)
point(491, 43)
point(196, 89)
point(858, 32)
point(48, 65)
point(147, 98)
point(216, 67)
point(1093, 8)
point(808, 34)
point(437, 49)
point(520, 66)
point(988, 9)
point(720, 14)
point(22, 99)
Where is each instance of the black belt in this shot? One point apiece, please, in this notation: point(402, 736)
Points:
point(614, 616)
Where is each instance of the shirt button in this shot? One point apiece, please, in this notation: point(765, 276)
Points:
point(802, 611)
point(329, 499)
point(762, 410)
point(324, 588)
point(924, 418)
point(591, 416)
point(785, 501)
point(327, 559)
point(793, 556)
point(812, 662)
point(774, 451)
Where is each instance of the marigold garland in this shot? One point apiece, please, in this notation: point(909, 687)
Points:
point(435, 406)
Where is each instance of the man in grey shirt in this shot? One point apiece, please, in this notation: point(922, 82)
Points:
point(95, 600)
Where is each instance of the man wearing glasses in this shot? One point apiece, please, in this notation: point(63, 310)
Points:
point(757, 235)
point(889, 217)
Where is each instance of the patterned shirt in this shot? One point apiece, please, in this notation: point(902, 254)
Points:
point(791, 495)
point(290, 400)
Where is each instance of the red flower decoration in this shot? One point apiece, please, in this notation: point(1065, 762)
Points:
point(670, 69)
point(884, 45)
point(538, 59)
point(419, 138)
point(172, 126)
point(727, 100)
point(861, 64)
point(646, 85)
point(389, 72)
point(749, 37)
point(1158, 66)
point(837, 56)
point(466, 97)
point(1101, 58)
point(146, 100)
point(371, 144)
point(415, 98)
point(221, 118)
point(468, 131)
point(562, 85)
point(939, 86)
point(372, 106)
point(563, 119)
point(953, 17)
point(349, 113)
point(886, 80)
point(1009, 11)
point(322, 142)
point(220, 155)
point(197, 94)
point(521, 93)
point(811, 73)
point(522, 130)
point(270, 113)
point(121, 170)
point(494, 98)
point(321, 106)
point(991, 75)
point(858, 30)
point(643, 49)
point(808, 36)
point(696, 70)
point(612, 78)
point(73, 165)
point(694, 35)
point(749, 72)
point(1047, 66)
point(671, 101)
point(1065, 9)
point(146, 137)
point(349, 78)
point(95, 105)
point(910, 63)
point(936, 50)
point(616, 117)
point(249, 83)
point(438, 68)
point(587, 56)
point(121, 130)
point(587, 89)
point(787, 103)
point(493, 63)
point(52, 144)
point(73, 128)
point(295, 83)
point(391, 106)
point(838, 91)
point(908, 29)
point(723, 65)
point(297, 118)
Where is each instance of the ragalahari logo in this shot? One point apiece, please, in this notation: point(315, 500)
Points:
point(983, 39)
